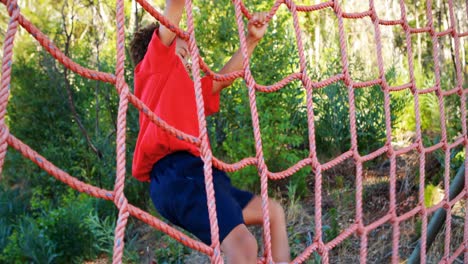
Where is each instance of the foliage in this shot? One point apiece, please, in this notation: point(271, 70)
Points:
point(30, 243)
point(331, 108)
point(333, 230)
point(13, 205)
point(65, 225)
point(70, 232)
point(103, 231)
point(432, 195)
point(43, 93)
point(170, 251)
point(52, 235)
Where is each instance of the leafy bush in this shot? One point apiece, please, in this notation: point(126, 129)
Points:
point(5, 232)
point(13, 204)
point(29, 244)
point(331, 108)
point(66, 226)
point(70, 233)
point(103, 230)
point(170, 251)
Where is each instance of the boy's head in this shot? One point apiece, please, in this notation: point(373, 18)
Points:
point(182, 51)
point(142, 38)
point(140, 42)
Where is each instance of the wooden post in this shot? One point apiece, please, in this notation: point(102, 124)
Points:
point(437, 221)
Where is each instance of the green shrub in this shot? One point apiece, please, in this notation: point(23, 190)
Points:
point(5, 232)
point(66, 226)
point(170, 251)
point(13, 205)
point(332, 125)
point(29, 244)
point(11, 253)
point(103, 230)
point(333, 229)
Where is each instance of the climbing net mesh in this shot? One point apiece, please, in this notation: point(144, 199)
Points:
point(358, 227)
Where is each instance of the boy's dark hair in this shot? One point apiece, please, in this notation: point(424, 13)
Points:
point(140, 42)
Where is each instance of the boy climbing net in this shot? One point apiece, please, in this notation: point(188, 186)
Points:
point(173, 166)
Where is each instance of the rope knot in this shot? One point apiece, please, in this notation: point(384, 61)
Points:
point(305, 78)
point(122, 87)
point(336, 7)
point(287, 3)
point(445, 146)
point(453, 31)
point(430, 25)
point(360, 229)
point(356, 155)
point(317, 169)
point(12, 7)
point(373, 14)
point(390, 150)
point(315, 164)
point(423, 208)
point(405, 25)
point(420, 146)
point(392, 212)
point(446, 206)
point(321, 248)
point(4, 132)
point(347, 79)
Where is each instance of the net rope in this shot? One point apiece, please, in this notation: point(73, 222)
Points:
point(358, 227)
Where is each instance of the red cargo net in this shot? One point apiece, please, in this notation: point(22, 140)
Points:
point(358, 227)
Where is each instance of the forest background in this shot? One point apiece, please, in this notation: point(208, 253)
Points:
point(71, 121)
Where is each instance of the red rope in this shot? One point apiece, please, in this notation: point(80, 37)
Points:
point(358, 227)
point(13, 11)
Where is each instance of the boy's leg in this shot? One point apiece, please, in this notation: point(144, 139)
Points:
point(279, 238)
point(240, 246)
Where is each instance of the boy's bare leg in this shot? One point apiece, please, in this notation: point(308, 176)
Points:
point(240, 246)
point(279, 238)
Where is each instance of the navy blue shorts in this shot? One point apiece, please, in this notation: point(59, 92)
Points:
point(178, 192)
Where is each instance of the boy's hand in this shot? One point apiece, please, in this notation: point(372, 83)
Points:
point(257, 26)
point(173, 12)
point(256, 30)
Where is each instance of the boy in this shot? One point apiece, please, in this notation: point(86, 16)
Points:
point(174, 167)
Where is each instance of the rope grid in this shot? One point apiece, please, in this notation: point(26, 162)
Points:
point(358, 227)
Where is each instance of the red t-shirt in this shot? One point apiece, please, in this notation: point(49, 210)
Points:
point(163, 84)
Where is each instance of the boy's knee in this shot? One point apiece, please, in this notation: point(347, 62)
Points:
point(241, 242)
point(249, 247)
point(246, 245)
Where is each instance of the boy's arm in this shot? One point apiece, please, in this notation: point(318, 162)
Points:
point(256, 29)
point(173, 12)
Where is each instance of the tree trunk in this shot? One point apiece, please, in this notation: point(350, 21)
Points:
point(317, 41)
point(71, 103)
point(419, 41)
point(438, 219)
point(451, 40)
point(441, 58)
point(97, 42)
point(137, 18)
point(463, 29)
